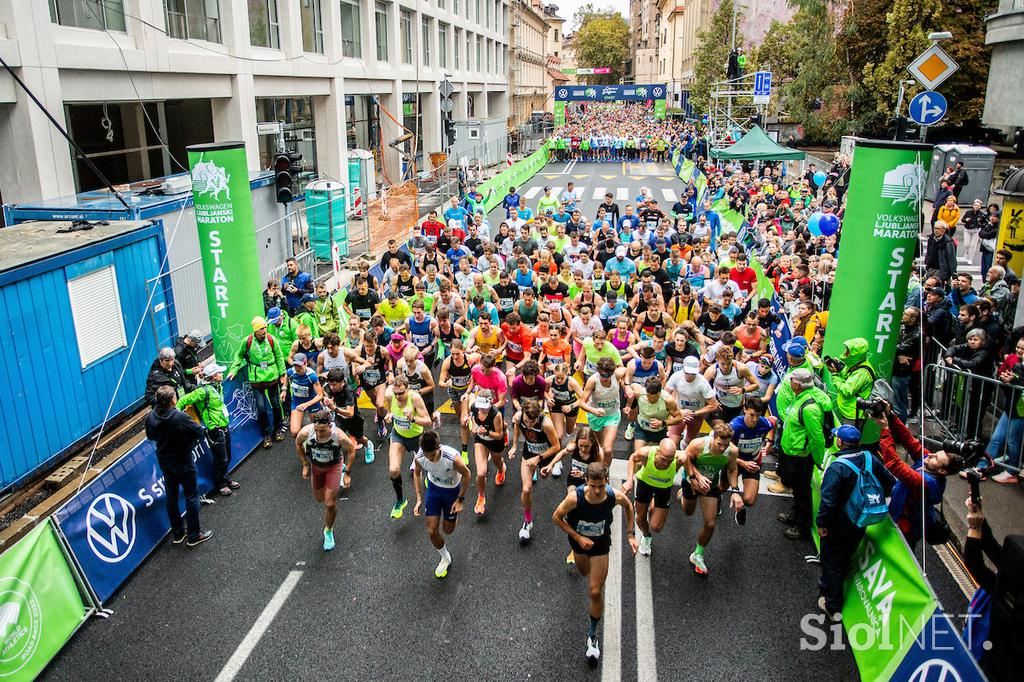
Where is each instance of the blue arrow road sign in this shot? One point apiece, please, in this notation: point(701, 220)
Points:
point(762, 84)
point(927, 108)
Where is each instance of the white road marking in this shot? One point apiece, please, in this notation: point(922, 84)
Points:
point(669, 194)
point(532, 192)
point(256, 632)
point(646, 658)
point(621, 194)
point(598, 193)
point(611, 646)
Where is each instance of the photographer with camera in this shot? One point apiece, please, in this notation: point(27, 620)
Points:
point(928, 471)
point(996, 612)
point(853, 377)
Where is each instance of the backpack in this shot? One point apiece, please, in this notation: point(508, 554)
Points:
point(828, 422)
point(866, 505)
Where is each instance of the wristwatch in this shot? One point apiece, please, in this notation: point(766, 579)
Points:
point(462, 498)
point(735, 491)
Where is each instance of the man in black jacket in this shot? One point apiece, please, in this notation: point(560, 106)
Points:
point(940, 199)
point(958, 179)
point(938, 316)
point(165, 371)
point(840, 536)
point(906, 370)
point(940, 254)
point(176, 436)
point(186, 352)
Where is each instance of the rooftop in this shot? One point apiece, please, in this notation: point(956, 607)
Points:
point(35, 241)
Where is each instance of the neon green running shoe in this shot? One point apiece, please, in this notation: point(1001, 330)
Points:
point(396, 511)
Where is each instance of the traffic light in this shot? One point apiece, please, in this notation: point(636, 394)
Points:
point(449, 132)
point(897, 129)
point(286, 165)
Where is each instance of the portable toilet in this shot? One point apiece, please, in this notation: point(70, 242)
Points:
point(325, 217)
point(978, 162)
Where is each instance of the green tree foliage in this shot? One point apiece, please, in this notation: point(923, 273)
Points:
point(602, 40)
point(908, 24)
point(712, 54)
point(863, 41)
point(965, 89)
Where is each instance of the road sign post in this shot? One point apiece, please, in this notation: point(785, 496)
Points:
point(928, 108)
point(762, 87)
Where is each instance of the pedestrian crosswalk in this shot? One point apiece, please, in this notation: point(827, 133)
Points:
point(532, 192)
point(669, 194)
point(621, 194)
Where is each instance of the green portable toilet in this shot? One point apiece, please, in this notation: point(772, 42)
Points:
point(325, 213)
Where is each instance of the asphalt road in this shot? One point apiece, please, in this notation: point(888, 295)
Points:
point(262, 601)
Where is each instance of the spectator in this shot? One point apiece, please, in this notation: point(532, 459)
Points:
point(906, 370)
point(988, 319)
point(165, 371)
point(1004, 447)
point(208, 402)
point(272, 296)
point(972, 356)
point(958, 179)
point(949, 213)
point(987, 235)
point(940, 199)
point(962, 292)
point(186, 352)
point(1002, 258)
point(295, 284)
point(996, 288)
point(938, 318)
point(940, 254)
point(972, 220)
point(176, 435)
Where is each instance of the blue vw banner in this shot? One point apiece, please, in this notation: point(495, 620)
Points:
point(609, 93)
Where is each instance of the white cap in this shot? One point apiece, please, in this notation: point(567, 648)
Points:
point(482, 403)
point(691, 365)
point(213, 368)
point(620, 251)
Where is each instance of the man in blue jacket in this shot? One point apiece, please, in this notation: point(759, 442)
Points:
point(295, 284)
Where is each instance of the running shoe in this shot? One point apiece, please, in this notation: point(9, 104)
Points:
point(499, 478)
point(382, 428)
point(699, 567)
point(1006, 478)
point(200, 539)
point(234, 485)
point(593, 650)
point(741, 516)
point(556, 470)
point(481, 505)
point(465, 457)
point(645, 545)
point(834, 616)
point(524, 532)
point(571, 559)
point(368, 452)
point(442, 568)
point(178, 539)
point(328, 539)
point(279, 436)
point(437, 420)
point(629, 432)
point(412, 466)
point(267, 444)
point(396, 511)
point(535, 475)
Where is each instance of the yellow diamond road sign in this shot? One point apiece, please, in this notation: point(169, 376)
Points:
point(933, 67)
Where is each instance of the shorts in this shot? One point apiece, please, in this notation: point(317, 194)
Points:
point(439, 502)
point(602, 546)
point(411, 445)
point(691, 494)
point(313, 409)
point(724, 413)
point(368, 388)
point(541, 462)
point(640, 433)
point(352, 426)
point(645, 493)
point(571, 414)
point(491, 445)
point(455, 394)
point(597, 423)
point(750, 475)
point(325, 476)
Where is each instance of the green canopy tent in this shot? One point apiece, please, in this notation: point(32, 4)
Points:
point(757, 146)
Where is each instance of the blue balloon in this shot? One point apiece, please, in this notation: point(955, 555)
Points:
point(819, 178)
point(829, 224)
point(814, 223)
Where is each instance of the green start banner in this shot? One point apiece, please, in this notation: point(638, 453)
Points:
point(227, 242)
point(40, 604)
point(559, 114)
point(659, 108)
point(880, 232)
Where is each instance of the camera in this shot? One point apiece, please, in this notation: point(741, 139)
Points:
point(971, 449)
point(876, 408)
point(835, 365)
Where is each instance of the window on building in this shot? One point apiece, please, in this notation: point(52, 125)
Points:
point(351, 37)
point(479, 61)
point(469, 52)
point(193, 19)
point(488, 5)
point(442, 45)
point(456, 42)
point(381, 24)
point(556, 35)
point(298, 133)
point(428, 28)
point(96, 312)
point(489, 50)
point(264, 25)
point(97, 14)
point(478, 13)
point(312, 26)
point(455, 6)
point(440, 4)
point(405, 28)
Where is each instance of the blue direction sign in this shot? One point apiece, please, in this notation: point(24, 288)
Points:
point(762, 87)
point(927, 108)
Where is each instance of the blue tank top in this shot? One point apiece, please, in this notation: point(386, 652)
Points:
point(640, 375)
point(420, 332)
point(524, 280)
point(301, 387)
point(749, 440)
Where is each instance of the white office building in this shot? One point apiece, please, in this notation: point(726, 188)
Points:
point(113, 71)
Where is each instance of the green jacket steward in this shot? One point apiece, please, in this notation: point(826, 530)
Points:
point(208, 402)
point(803, 422)
point(263, 360)
point(855, 380)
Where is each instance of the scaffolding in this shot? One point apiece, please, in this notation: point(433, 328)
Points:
point(732, 108)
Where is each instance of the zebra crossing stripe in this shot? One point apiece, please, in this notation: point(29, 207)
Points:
point(621, 194)
point(532, 192)
point(598, 193)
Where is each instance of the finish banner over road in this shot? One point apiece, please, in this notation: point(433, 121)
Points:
point(227, 242)
point(881, 225)
point(609, 93)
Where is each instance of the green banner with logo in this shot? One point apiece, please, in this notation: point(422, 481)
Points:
point(559, 113)
point(880, 232)
point(227, 242)
point(659, 108)
point(40, 604)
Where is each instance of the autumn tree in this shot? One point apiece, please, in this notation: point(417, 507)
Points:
point(712, 55)
point(602, 40)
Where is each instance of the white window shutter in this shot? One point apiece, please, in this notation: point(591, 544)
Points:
point(96, 310)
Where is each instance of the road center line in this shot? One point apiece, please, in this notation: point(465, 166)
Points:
point(611, 638)
point(646, 661)
point(252, 638)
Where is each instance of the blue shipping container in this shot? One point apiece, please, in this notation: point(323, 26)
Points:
point(71, 307)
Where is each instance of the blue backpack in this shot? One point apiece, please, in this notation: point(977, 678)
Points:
point(866, 505)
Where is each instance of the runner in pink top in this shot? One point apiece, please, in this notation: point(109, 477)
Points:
point(486, 376)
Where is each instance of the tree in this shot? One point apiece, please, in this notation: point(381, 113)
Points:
point(602, 41)
point(908, 24)
point(861, 42)
point(965, 89)
point(712, 55)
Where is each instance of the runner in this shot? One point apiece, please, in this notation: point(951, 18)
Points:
point(423, 332)
point(754, 436)
point(456, 371)
point(638, 371)
point(320, 446)
point(586, 516)
point(601, 400)
point(490, 437)
point(408, 416)
point(303, 385)
point(448, 478)
point(340, 400)
point(421, 381)
point(705, 460)
point(731, 380)
point(696, 399)
point(539, 447)
point(564, 396)
point(373, 374)
point(582, 450)
point(656, 412)
point(657, 466)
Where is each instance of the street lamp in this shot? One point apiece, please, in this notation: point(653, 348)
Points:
point(936, 36)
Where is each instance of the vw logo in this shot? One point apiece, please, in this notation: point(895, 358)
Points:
point(562, 92)
point(935, 670)
point(657, 91)
point(110, 527)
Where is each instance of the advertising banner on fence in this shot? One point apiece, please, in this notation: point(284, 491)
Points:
point(118, 518)
point(880, 228)
point(40, 604)
point(227, 242)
